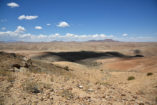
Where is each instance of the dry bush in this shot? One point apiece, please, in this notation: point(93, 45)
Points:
point(1, 100)
point(8, 75)
point(102, 83)
point(35, 87)
point(4, 73)
point(31, 87)
point(52, 79)
point(149, 74)
point(11, 78)
point(36, 71)
point(131, 78)
point(67, 94)
point(137, 52)
point(66, 68)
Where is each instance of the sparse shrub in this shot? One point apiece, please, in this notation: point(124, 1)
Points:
point(44, 85)
point(156, 99)
point(11, 78)
point(4, 73)
point(1, 100)
point(35, 87)
point(101, 69)
point(52, 79)
point(131, 78)
point(67, 94)
point(36, 71)
point(9, 75)
point(141, 92)
point(102, 83)
point(149, 74)
point(66, 68)
point(137, 52)
point(31, 87)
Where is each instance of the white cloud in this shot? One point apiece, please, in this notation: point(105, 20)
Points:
point(20, 29)
point(12, 4)
point(19, 35)
point(38, 27)
point(124, 34)
point(3, 28)
point(24, 17)
point(48, 24)
point(63, 24)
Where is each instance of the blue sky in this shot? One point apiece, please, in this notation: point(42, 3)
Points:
point(78, 20)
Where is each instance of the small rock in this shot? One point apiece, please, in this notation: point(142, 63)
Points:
point(25, 58)
point(80, 86)
point(90, 90)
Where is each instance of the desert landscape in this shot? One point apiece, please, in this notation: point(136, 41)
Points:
point(78, 73)
point(78, 52)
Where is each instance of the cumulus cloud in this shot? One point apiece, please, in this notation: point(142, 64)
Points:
point(20, 35)
point(38, 27)
point(63, 24)
point(25, 17)
point(20, 29)
point(12, 4)
point(124, 34)
point(48, 24)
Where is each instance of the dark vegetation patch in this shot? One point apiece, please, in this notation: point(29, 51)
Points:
point(131, 78)
point(67, 94)
point(137, 53)
point(31, 87)
point(34, 87)
point(149, 74)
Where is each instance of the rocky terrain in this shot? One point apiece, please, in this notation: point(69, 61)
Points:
point(85, 73)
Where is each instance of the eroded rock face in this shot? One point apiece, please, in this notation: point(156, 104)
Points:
point(14, 62)
point(16, 66)
point(24, 66)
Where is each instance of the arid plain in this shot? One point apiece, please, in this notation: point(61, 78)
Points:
point(78, 73)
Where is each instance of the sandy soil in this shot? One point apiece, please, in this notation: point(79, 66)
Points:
point(87, 73)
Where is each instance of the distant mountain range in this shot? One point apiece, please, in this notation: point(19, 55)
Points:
point(105, 40)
